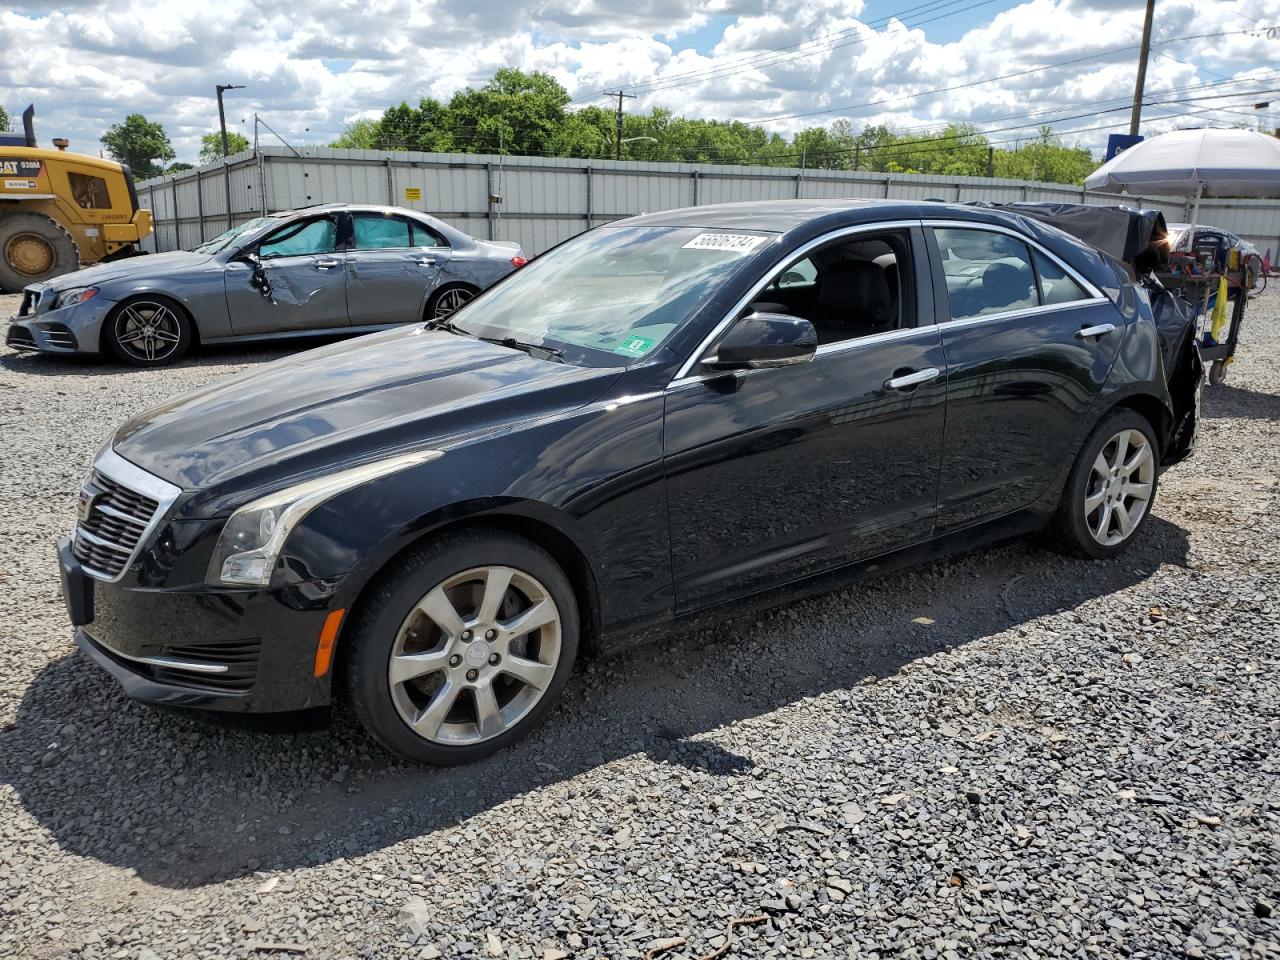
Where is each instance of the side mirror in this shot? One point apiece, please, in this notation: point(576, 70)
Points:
point(258, 279)
point(765, 340)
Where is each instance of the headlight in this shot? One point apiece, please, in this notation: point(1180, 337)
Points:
point(75, 295)
point(250, 543)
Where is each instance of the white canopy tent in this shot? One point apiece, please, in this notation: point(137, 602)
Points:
point(1192, 163)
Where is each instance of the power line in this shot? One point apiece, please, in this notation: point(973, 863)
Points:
point(773, 58)
point(977, 83)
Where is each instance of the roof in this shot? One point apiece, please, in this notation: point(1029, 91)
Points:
point(782, 216)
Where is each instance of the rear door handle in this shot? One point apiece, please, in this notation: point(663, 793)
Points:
point(327, 264)
point(908, 380)
point(1098, 330)
point(424, 261)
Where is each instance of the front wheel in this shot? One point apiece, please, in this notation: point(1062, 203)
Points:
point(1112, 487)
point(148, 332)
point(1218, 373)
point(464, 649)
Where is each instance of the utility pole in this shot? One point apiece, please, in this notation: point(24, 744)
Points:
point(222, 114)
point(617, 146)
point(1136, 117)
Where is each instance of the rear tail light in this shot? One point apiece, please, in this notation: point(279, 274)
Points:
point(519, 261)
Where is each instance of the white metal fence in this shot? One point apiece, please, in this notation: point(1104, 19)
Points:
point(541, 201)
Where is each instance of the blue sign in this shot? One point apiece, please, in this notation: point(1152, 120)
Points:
point(1118, 143)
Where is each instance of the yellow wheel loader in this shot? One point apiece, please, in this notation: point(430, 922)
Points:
point(61, 211)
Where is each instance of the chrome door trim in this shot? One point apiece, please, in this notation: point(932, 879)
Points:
point(1020, 312)
point(843, 346)
point(684, 372)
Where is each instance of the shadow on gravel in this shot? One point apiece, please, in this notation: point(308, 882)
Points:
point(186, 804)
point(1234, 403)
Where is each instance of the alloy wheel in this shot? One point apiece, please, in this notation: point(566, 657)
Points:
point(475, 655)
point(450, 302)
point(147, 330)
point(1119, 488)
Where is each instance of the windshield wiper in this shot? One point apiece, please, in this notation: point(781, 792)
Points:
point(552, 353)
point(448, 326)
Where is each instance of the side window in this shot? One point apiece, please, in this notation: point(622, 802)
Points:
point(1055, 285)
point(851, 288)
point(300, 239)
point(802, 273)
point(375, 232)
point(89, 192)
point(986, 272)
point(424, 236)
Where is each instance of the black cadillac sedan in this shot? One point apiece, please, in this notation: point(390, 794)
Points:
point(663, 418)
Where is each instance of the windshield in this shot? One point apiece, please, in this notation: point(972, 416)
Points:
point(612, 295)
point(224, 240)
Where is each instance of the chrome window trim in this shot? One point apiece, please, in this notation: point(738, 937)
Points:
point(683, 373)
point(1071, 271)
point(826, 350)
point(115, 467)
point(1020, 312)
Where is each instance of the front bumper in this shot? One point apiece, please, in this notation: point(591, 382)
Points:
point(229, 651)
point(73, 329)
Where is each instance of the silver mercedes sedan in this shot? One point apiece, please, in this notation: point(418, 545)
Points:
point(327, 269)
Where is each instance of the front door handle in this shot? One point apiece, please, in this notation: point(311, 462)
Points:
point(1097, 330)
point(905, 381)
point(327, 264)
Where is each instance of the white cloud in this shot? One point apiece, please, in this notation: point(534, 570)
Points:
point(342, 59)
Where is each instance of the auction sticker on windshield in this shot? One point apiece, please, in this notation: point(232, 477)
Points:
point(742, 243)
point(634, 346)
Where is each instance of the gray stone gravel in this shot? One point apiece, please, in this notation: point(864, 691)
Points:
point(1008, 754)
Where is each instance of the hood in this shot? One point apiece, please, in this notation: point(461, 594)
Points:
point(348, 402)
point(131, 268)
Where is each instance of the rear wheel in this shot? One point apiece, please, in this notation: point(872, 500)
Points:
point(449, 301)
point(149, 331)
point(463, 650)
point(34, 247)
point(1112, 487)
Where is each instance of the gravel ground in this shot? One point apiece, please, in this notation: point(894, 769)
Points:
point(1008, 754)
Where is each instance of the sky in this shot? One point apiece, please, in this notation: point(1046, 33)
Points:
point(788, 64)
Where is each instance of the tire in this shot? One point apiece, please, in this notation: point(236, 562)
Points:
point(402, 667)
point(124, 331)
point(443, 302)
point(1218, 373)
point(1096, 516)
point(33, 248)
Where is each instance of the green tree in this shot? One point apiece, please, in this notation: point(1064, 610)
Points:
point(4, 118)
point(515, 112)
point(211, 145)
point(139, 143)
point(359, 135)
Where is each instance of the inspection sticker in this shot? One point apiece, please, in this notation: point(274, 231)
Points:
point(734, 242)
point(634, 346)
